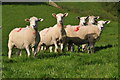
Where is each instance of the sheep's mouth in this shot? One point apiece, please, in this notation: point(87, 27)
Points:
point(102, 28)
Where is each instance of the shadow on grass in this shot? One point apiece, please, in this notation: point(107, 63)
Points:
point(52, 55)
point(103, 47)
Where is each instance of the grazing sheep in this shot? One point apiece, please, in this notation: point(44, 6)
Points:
point(24, 37)
point(87, 34)
point(55, 34)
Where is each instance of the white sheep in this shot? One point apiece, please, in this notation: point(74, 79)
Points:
point(24, 37)
point(86, 34)
point(82, 22)
point(92, 20)
point(55, 34)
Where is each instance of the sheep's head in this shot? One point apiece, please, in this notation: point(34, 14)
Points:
point(82, 20)
point(102, 23)
point(60, 17)
point(93, 19)
point(33, 21)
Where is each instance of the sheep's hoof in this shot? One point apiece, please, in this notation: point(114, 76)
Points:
point(57, 50)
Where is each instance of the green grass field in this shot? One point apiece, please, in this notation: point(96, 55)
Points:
point(102, 64)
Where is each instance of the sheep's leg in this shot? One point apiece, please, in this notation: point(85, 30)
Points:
point(61, 46)
point(72, 47)
point(56, 46)
point(78, 48)
point(92, 48)
point(84, 47)
point(42, 48)
point(28, 51)
point(33, 50)
point(20, 52)
point(45, 48)
point(50, 48)
point(68, 47)
point(10, 46)
point(39, 47)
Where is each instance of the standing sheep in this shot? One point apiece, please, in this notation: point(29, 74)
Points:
point(55, 34)
point(24, 37)
point(86, 34)
point(83, 21)
point(92, 20)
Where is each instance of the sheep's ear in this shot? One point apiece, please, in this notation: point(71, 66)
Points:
point(87, 17)
point(97, 17)
point(78, 17)
point(40, 19)
point(65, 14)
point(54, 15)
point(107, 22)
point(27, 20)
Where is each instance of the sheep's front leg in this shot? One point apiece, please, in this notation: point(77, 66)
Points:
point(50, 48)
point(28, 51)
point(42, 48)
point(56, 46)
point(62, 46)
point(84, 47)
point(72, 47)
point(91, 48)
point(19, 52)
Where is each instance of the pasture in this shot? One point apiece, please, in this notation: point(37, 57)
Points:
point(102, 64)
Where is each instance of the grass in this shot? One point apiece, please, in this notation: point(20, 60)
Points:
point(102, 64)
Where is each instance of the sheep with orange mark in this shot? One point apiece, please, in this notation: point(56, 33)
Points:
point(24, 38)
point(55, 34)
point(83, 22)
point(86, 34)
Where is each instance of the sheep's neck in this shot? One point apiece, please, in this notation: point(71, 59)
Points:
point(99, 27)
point(60, 25)
point(80, 24)
point(62, 30)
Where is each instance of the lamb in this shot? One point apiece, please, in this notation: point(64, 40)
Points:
point(24, 38)
point(55, 34)
point(87, 34)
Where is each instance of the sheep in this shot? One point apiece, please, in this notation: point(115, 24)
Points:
point(92, 20)
point(43, 33)
point(82, 20)
point(81, 23)
point(55, 34)
point(23, 38)
point(86, 34)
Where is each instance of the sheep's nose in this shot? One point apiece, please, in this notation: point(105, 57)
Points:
point(84, 23)
point(34, 26)
point(102, 28)
point(60, 21)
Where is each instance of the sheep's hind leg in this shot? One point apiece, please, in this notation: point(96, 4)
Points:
point(10, 46)
point(28, 51)
point(56, 46)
